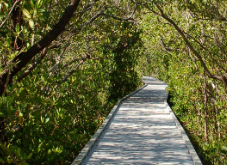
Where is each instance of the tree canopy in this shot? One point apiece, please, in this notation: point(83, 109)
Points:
point(65, 63)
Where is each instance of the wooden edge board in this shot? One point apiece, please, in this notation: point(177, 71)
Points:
point(191, 150)
point(79, 159)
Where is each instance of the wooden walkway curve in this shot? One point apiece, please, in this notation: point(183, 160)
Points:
point(141, 129)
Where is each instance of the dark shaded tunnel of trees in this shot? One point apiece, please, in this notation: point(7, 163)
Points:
point(64, 64)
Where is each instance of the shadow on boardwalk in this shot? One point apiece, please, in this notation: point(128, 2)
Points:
point(141, 130)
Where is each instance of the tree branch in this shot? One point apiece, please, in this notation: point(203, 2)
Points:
point(15, 3)
point(30, 69)
point(8, 152)
point(24, 58)
point(83, 60)
point(88, 7)
point(77, 59)
point(96, 16)
point(73, 70)
point(63, 52)
point(87, 23)
point(218, 77)
point(118, 18)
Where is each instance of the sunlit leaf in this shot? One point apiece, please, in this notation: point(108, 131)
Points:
point(26, 13)
point(31, 23)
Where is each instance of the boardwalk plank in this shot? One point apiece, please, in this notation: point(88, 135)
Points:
point(143, 130)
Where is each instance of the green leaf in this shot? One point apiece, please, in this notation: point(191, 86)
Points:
point(41, 10)
point(32, 4)
point(18, 28)
point(29, 156)
point(46, 120)
point(34, 13)
point(26, 13)
point(31, 23)
point(18, 153)
point(39, 3)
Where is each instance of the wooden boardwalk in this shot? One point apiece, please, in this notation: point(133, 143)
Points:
point(141, 129)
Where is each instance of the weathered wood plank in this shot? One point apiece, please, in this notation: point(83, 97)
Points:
point(142, 130)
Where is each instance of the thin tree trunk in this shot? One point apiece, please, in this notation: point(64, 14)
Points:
point(205, 109)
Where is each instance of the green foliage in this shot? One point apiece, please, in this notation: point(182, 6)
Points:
point(199, 100)
point(51, 114)
point(124, 77)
